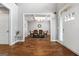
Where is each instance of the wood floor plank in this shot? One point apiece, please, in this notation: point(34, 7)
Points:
point(36, 47)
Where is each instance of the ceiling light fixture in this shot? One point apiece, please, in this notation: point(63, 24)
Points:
point(40, 18)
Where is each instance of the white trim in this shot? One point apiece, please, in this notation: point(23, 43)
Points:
point(63, 8)
point(15, 42)
point(54, 40)
point(42, 14)
point(67, 47)
point(9, 24)
point(60, 29)
point(22, 40)
point(23, 28)
point(60, 42)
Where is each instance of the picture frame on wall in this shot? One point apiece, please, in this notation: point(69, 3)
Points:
point(39, 25)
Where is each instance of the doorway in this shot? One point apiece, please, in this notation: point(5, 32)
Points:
point(30, 18)
point(4, 25)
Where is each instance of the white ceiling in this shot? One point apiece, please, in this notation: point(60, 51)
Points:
point(37, 7)
point(3, 9)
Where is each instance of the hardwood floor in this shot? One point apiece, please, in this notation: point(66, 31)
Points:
point(36, 47)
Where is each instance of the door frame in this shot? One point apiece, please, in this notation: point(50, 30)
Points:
point(51, 17)
point(9, 25)
point(61, 23)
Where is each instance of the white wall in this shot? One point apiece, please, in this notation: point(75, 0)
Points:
point(13, 21)
point(53, 27)
point(25, 28)
point(33, 25)
point(71, 30)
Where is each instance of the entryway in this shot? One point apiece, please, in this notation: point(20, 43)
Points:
point(43, 22)
point(4, 25)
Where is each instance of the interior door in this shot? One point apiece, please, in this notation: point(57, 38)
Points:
point(4, 29)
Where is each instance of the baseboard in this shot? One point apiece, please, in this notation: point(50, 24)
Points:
point(53, 40)
point(59, 42)
point(17, 41)
point(4, 44)
point(68, 47)
point(14, 42)
point(22, 40)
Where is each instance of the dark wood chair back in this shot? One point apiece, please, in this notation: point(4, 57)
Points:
point(40, 31)
point(35, 32)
